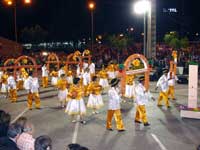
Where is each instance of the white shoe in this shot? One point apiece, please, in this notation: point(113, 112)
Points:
point(96, 112)
point(73, 121)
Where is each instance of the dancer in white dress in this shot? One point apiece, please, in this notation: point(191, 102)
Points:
point(76, 105)
point(95, 100)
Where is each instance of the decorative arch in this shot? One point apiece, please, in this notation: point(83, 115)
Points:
point(73, 59)
point(32, 66)
point(9, 60)
point(126, 71)
point(86, 56)
point(53, 59)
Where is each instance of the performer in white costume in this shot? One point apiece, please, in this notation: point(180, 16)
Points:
point(172, 78)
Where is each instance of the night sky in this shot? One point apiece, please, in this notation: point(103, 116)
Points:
point(70, 19)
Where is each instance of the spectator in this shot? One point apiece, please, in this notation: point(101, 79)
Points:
point(9, 142)
point(21, 121)
point(76, 147)
point(4, 123)
point(198, 148)
point(43, 143)
point(26, 140)
point(73, 147)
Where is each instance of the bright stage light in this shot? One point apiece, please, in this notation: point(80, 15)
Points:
point(142, 7)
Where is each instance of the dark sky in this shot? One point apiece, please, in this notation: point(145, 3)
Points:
point(70, 19)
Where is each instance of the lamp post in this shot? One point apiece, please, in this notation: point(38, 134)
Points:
point(91, 6)
point(143, 7)
point(13, 3)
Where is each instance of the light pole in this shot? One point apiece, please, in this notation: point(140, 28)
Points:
point(91, 6)
point(143, 7)
point(13, 3)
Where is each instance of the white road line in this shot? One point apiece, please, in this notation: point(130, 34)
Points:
point(158, 141)
point(21, 114)
point(75, 135)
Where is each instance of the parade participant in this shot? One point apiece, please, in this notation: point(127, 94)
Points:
point(31, 84)
point(142, 97)
point(171, 82)
point(20, 81)
point(4, 84)
point(130, 87)
point(1, 74)
point(61, 71)
point(62, 90)
point(114, 106)
point(69, 77)
point(76, 105)
point(24, 74)
point(54, 77)
point(85, 64)
point(92, 69)
point(12, 88)
point(163, 84)
point(45, 73)
point(95, 100)
point(86, 80)
point(111, 72)
point(103, 81)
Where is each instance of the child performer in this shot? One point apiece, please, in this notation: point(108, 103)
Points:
point(114, 107)
point(62, 90)
point(76, 105)
point(95, 100)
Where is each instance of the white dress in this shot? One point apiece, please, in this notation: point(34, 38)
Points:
point(76, 106)
point(103, 82)
point(62, 95)
point(95, 101)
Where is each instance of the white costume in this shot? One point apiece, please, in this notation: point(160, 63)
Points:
point(11, 83)
point(60, 72)
point(171, 81)
point(163, 83)
point(92, 68)
point(112, 74)
point(95, 99)
point(142, 96)
point(75, 105)
point(85, 65)
point(86, 78)
point(114, 99)
point(44, 71)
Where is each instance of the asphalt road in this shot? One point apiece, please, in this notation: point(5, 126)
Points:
point(168, 131)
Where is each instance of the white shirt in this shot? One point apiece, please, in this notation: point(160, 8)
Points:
point(60, 72)
point(113, 99)
point(171, 82)
point(1, 74)
point(44, 71)
point(163, 83)
point(92, 68)
point(85, 65)
point(32, 84)
point(11, 82)
point(70, 79)
point(86, 78)
point(142, 97)
point(111, 74)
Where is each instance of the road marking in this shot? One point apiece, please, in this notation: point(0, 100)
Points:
point(75, 135)
point(21, 114)
point(158, 141)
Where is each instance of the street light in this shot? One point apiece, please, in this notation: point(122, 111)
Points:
point(143, 7)
point(14, 4)
point(91, 6)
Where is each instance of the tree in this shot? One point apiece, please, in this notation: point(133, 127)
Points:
point(118, 42)
point(34, 34)
point(176, 42)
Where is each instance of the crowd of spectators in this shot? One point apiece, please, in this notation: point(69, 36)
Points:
point(19, 136)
